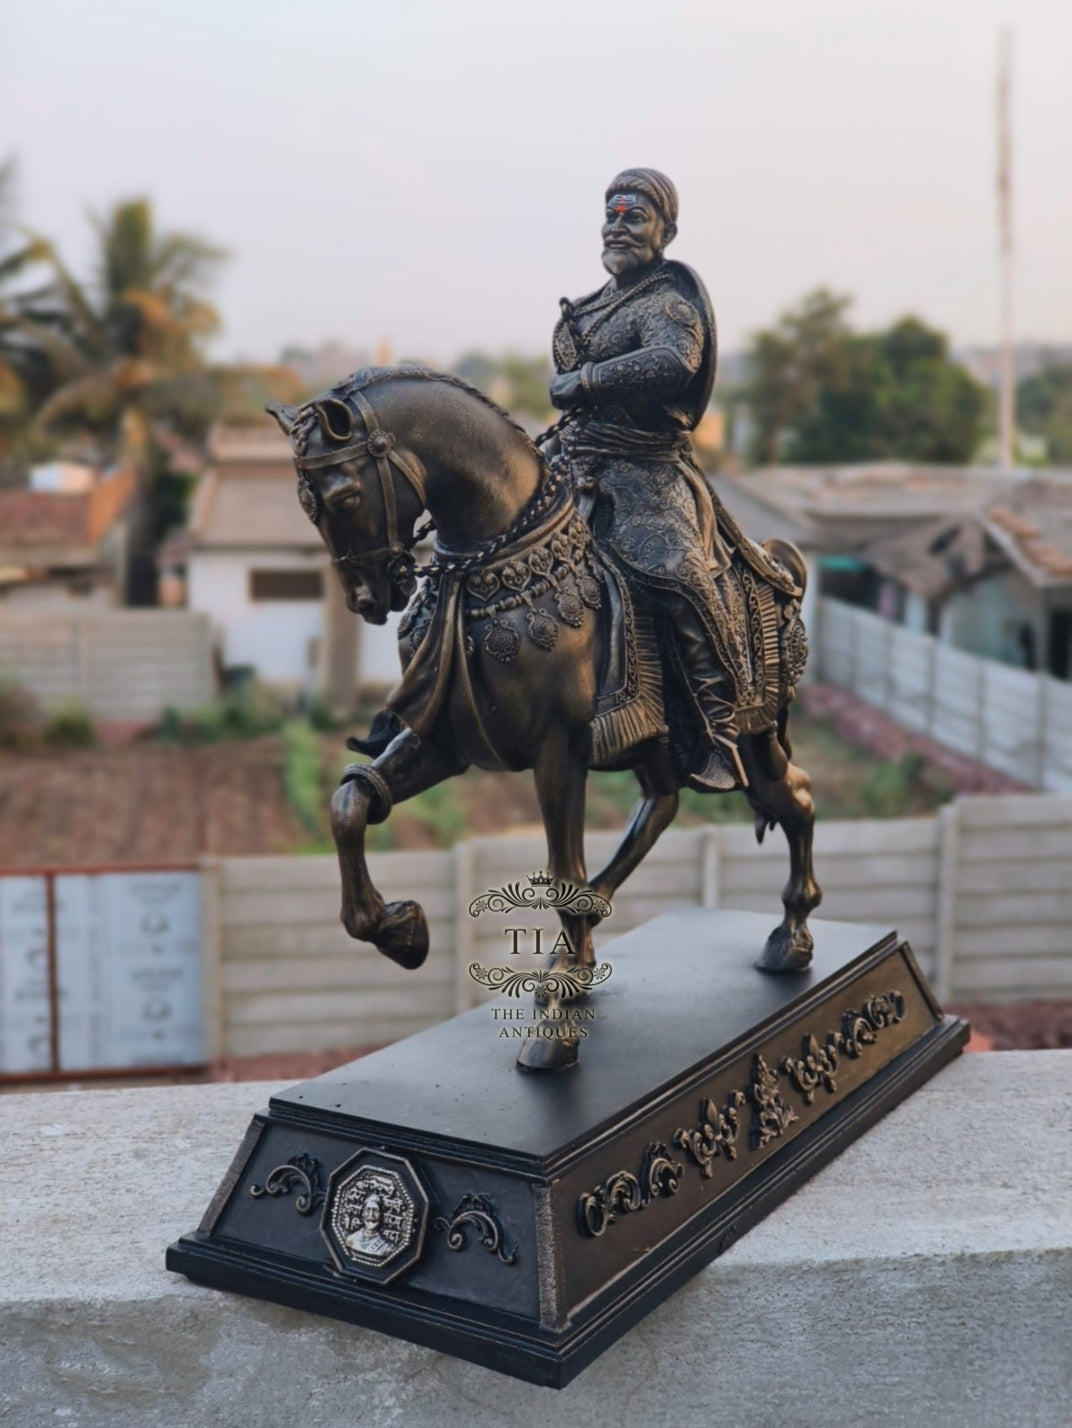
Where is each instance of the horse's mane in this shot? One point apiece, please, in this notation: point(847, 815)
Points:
point(366, 377)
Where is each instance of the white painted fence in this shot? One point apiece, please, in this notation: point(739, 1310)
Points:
point(120, 664)
point(1009, 719)
point(983, 892)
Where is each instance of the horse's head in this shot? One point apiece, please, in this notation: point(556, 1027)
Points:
point(348, 468)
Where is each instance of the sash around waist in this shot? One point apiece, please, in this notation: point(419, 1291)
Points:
point(604, 438)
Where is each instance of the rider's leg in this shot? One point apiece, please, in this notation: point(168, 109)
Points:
point(717, 766)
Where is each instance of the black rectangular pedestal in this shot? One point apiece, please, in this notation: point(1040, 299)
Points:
point(435, 1191)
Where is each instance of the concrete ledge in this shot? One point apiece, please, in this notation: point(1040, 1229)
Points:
point(924, 1278)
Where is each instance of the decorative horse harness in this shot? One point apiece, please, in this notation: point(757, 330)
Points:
point(543, 567)
point(381, 446)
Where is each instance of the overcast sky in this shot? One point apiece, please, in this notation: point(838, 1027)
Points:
point(431, 172)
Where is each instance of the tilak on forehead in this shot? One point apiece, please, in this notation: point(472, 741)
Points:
point(654, 185)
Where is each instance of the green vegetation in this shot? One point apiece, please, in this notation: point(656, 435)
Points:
point(70, 727)
point(246, 714)
point(26, 728)
point(303, 774)
point(1044, 408)
point(320, 716)
point(819, 392)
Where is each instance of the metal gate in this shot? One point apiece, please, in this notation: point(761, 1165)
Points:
point(100, 971)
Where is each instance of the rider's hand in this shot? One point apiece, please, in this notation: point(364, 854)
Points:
point(566, 390)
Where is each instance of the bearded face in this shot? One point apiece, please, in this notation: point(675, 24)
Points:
point(634, 234)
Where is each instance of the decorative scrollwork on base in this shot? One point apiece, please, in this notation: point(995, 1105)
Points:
point(715, 1135)
point(816, 1065)
point(771, 1114)
point(478, 1213)
point(624, 1192)
point(303, 1170)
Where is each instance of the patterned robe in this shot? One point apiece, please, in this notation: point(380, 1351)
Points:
point(646, 359)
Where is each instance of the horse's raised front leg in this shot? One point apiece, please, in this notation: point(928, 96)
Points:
point(560, 787)
point(368, 792)
point(779, 792)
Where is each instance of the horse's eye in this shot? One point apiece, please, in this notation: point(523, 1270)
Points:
point(349, 503)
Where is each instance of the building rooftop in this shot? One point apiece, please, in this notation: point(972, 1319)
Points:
point(248, 444)
point(54, 527)
point(879, 489)
point(1029, 525)
point(248, 496)
point(848, 508)
point(38, 518)
point(1032, 523)
point(241, 511)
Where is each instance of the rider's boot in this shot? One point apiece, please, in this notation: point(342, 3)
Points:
point(716, 763)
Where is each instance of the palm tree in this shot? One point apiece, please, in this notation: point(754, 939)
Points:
point(129, 356)
point(26, 314)
point(132, 349)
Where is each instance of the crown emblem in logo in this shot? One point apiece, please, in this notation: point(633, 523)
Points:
point(542, 892)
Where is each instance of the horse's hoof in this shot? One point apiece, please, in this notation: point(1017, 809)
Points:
point(548, 1053)
point(787, 951)
point(403, 934)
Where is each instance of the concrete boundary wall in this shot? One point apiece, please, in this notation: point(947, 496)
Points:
point(123, 665)
point(1010, 719)
point(924, 1278)
point(982, 892)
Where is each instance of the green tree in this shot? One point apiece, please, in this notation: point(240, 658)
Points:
point(133, 339)
point(788, 363)
point(818, 392)
point(128, 359)
point(25, 316)
point(1044, 408)
point(933, 410)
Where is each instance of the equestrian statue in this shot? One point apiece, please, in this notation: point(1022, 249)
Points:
point(589, 603)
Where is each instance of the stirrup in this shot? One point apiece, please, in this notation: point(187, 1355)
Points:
point(722, 771)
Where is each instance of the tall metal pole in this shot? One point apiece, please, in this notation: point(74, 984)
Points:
point(1005, 243)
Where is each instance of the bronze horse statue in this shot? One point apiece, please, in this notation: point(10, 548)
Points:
point(505, 649)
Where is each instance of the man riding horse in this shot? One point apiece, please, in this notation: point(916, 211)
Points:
point(525, 646)
point(635, 364)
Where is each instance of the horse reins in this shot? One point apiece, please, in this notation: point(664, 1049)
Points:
point(380, 446)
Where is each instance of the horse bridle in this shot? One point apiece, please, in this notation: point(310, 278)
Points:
point(381, 447)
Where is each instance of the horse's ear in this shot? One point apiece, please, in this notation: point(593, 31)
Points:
point(335, 418)
point(284, 415)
